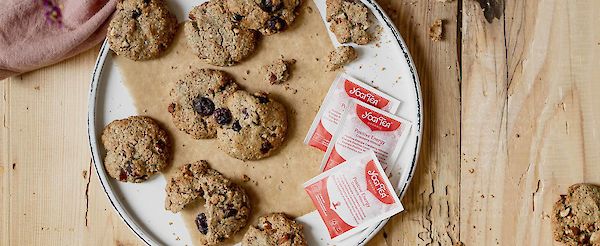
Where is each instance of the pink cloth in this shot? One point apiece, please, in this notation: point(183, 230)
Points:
point(38, 33)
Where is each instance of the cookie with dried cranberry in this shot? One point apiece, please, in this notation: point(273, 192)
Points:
point(349, 21)
point(266, 16)
point(141, 29)
point(196, 97)
point(576, 216)
point(215, 37)
point(273, 230)
point(136, 148)
point(253, 126)
point(226, 204)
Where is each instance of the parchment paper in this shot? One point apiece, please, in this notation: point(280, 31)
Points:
point(276, 182)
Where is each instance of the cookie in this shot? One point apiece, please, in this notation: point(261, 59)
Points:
point(194, 99)
point(227, 206)
point(273, 230)
point(349, 21)
point(278, 71)
point(214, 37)
point(576, 216)
point(340, 56)
point(136, 148)
point(252, 126)
point(141, 29)
point(266, 16)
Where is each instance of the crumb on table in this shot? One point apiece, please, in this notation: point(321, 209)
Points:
point(278, 72)
point(436, 30)
point(340, 56)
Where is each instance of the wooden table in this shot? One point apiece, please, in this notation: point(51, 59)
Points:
point(511, 120)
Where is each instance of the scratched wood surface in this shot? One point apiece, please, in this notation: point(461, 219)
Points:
point(510, 123)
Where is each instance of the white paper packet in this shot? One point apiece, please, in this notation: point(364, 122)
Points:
point(364, 128)
point(352, 196)
point(343, 89)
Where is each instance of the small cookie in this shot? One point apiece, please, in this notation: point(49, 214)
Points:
point(340, 56)
point(278, 71)
point(215, 37)
point(141, 29)
point(576, 216)
point(273, 230)
point(227, 206)
point(136, 148)
point(253, 126)
point(436, 31)
point(266, 16)
point(194, 99)
point(349, 21)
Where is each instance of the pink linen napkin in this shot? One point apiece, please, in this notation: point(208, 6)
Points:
point(38, 33)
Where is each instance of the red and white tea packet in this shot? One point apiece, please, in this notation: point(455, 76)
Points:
point(364, 128)
point(343, 89)
point(353, 196)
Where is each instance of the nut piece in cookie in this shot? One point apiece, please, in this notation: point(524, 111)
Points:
point(227, 206)
point(576, 216)
point(273, 230)
point(141, 29)
point(349, 21)
point(278, 71)
point(340, 56)
point(436, 31)
point(257, 127)
point(136, 148)
point(266, 16)
point(196, 97)
point(213, 35)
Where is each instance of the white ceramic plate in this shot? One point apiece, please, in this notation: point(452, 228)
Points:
point(142, 208)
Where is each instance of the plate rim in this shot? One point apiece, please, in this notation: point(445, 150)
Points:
point(150, 240)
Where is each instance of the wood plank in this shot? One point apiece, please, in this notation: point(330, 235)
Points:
point(483, 127)
point(552, 121)
point(5, 166)
point(48, 144)
point(432, 201)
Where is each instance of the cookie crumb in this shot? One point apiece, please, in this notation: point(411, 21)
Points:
point(37, 88)
point(245, 178)
point(170, 223)
point(340, 56)
point(84, 174)
point(471, 170)
point(436, 30)
point(278, 71)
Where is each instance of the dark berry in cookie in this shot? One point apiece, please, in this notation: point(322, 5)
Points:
point(201, 223)
point(270, 6)
point(275, 24)
point(236, 126)
point(223, 116)
point(203, 106)
point(262, 99)
point(266, 146)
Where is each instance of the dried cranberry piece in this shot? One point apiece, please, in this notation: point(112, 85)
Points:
point(203, 106)
point(270, 6)
point(122, 175)
point(275, 24)
point(201, 223)
point(136, 13)
point(222, 116)
point(230, 212)
point(171, 108)
point(160, 146)
point(236, 126)
point(265, 147)
point(262, 99)
point(237, 18)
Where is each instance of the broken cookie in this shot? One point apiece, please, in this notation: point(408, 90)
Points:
point(278, 71)
point(576, 216)
point(349, 21)
point(340, 56)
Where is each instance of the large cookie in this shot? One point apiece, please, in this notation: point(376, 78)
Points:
point(576, 216)
point(194, 99)
point(136, 148)
point(267, 16)
point(214, 36)
point(273, 230)
point(141, 29)
point(226, 204)
point(349, 21)
point(253, 126)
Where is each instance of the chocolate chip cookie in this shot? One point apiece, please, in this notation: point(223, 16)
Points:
point(340, 56)
point(273, 230)
point(252, 126)
point(267, 16)
point(349, 21)
point(213, 35)
point(136, 148)
point(141, 29)
point(576, 216)
point(196, 97)
point(227, 206)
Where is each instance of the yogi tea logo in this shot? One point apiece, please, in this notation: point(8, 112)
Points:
point(376, 185)
point(375, 120)
point(364, 95)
